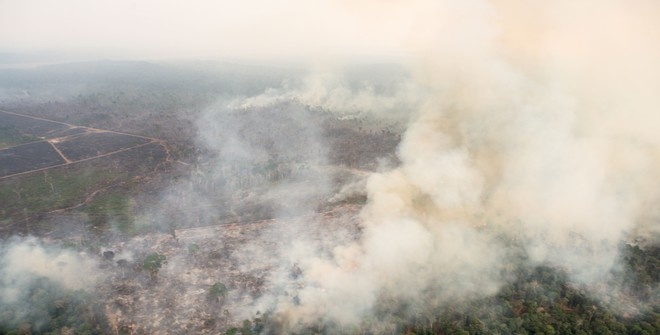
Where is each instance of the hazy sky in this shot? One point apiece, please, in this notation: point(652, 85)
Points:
point(204, 28)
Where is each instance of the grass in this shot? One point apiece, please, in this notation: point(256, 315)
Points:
point(30, 195)
point(99, 189)
point(113, 208)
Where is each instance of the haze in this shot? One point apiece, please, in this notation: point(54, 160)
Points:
point(427, 166)
point(254, 29)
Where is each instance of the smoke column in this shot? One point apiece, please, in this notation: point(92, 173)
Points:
point(539, 129)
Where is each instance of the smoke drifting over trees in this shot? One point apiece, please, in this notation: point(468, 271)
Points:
point(525, 136)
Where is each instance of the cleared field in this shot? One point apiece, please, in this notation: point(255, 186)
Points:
point(10, 136)
point(32, 126)
point(96, 144)
point(46, 167)
point(27, 157)
point(34, 144)
point(68, 132)
point(26, 199)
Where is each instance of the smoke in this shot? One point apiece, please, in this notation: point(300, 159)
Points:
point(536, 130)
point(25, 260)
point(33, 274)
point(529, 136)
point(272, 152)
point(331, 88)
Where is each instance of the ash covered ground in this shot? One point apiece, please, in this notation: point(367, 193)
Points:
point(243, 258)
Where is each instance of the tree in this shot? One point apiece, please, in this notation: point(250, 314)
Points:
point(218, 292)
point(152, 263)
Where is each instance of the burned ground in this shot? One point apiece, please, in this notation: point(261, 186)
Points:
point(179, 300)
point(28, 157)
point(32, 126)
point(68, 168)
point(51, 201)
point(94, 144)
point(62, 144)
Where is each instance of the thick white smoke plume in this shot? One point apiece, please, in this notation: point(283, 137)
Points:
point(539, 130)
point(23, 261)
point(29, 268)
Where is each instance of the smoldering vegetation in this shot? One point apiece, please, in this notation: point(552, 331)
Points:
point(168, 102)
point(44, 287)
point(281, 159)
point(513, 159)
point(504, 184)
